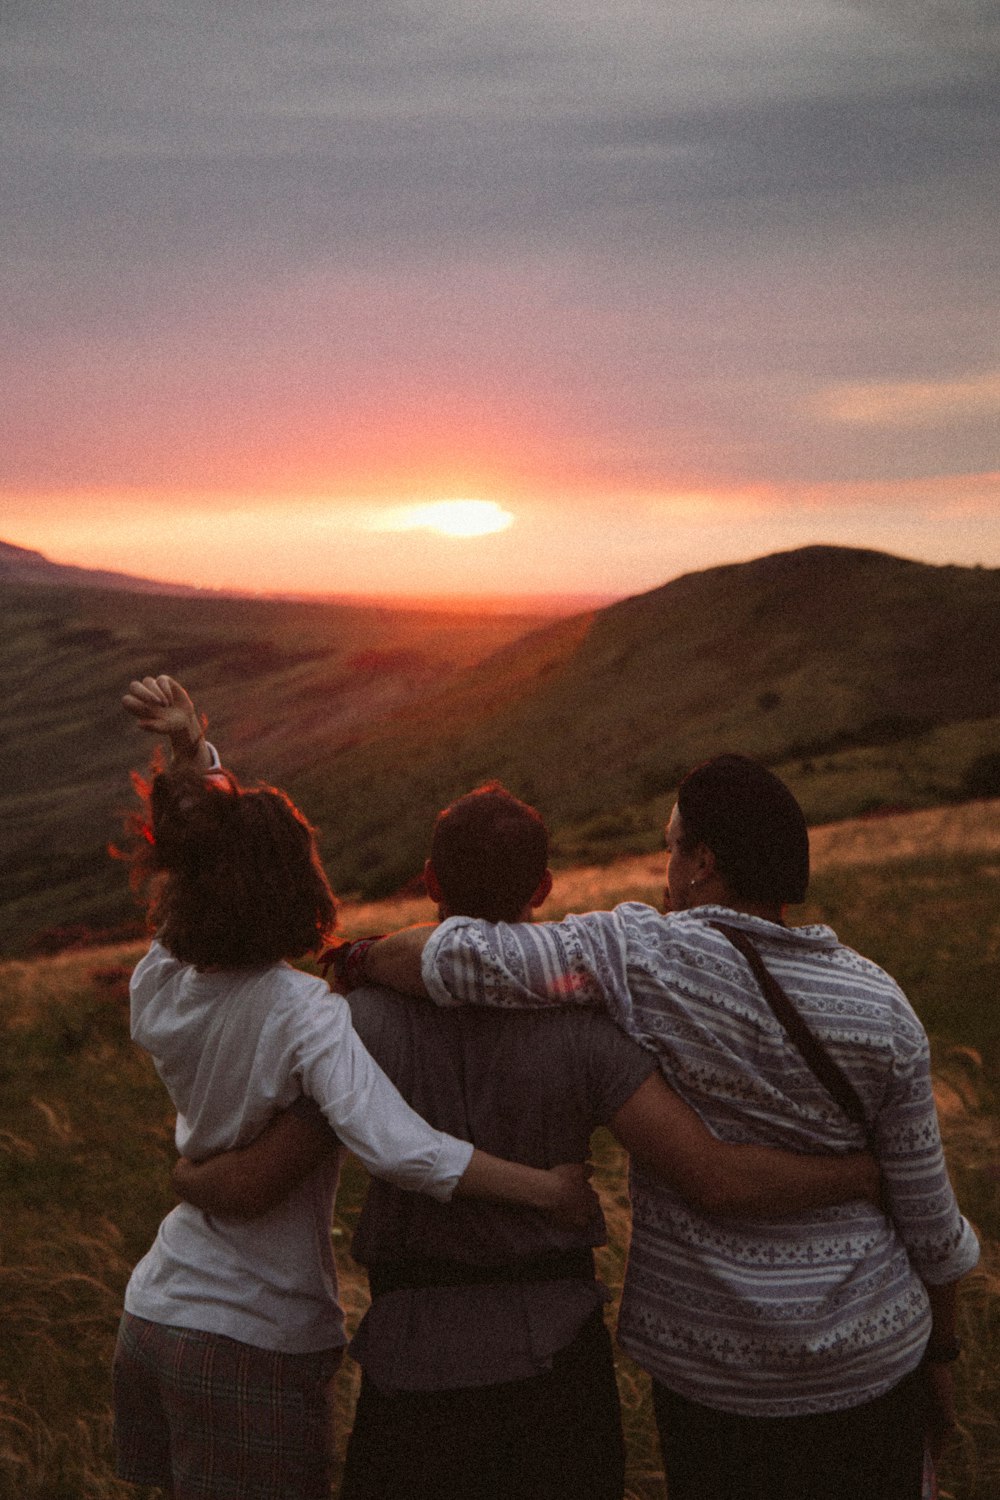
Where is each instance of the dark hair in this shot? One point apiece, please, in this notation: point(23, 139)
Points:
point(752, 824)
point(234, 872)
point(489, 851)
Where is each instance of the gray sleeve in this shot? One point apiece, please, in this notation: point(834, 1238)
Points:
point(618, 1066)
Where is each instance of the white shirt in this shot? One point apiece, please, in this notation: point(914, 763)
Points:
point(233, 1048)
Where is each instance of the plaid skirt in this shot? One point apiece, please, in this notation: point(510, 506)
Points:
point(215, 1419)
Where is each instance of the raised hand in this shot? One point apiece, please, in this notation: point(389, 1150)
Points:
point(161, 706)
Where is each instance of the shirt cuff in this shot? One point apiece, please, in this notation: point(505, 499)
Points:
point(450, 1166)
point(952, 1267)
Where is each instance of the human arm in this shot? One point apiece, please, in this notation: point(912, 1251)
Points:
point(394, 960)
point(162, 707)
point(663, 1134)
point(562, 1192)
point(939, 1357)
point(580, 960)
point(251, 1180)
point(310, 1046)
point(941, 1245)
point(918, 1195)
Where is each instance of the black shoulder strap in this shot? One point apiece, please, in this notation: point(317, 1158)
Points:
point(829, 1073)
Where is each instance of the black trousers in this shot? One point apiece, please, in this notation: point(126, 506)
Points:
point(869, 1452)
point(556, 1436)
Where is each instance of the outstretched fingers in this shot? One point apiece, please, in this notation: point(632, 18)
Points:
point(162, 706)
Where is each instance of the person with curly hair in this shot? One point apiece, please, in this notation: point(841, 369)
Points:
point(232, 1330)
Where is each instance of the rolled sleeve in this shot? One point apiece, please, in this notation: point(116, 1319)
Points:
point(940, 1242)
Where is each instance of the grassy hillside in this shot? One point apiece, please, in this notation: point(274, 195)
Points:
point(864, 679)
point(867, 681)
point(86, 1143)
point(286, 684)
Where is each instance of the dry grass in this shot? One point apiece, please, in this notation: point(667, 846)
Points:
point(961, 828)
point(85, 1145)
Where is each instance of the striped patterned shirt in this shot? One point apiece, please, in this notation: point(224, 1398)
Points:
point(813, 1312)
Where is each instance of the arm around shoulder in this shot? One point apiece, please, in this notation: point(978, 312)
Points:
point(396, 960)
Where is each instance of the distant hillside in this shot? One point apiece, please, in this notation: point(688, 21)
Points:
point(869, 681)
point(20, 565)
point(285, 684)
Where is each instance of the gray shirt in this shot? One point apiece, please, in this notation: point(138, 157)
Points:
point(529, 1087)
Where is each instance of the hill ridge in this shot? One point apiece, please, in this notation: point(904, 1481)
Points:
point(867, 680)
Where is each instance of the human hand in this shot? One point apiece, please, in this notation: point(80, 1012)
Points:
point(181, 1176)
point(162, 706)
point(346, 957)
point(574, 1202)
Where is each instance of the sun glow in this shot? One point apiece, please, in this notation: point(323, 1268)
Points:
point(459, 518)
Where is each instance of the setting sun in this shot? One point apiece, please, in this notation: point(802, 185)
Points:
point(460, 518)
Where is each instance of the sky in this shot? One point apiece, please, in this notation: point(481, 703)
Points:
point(653, 286)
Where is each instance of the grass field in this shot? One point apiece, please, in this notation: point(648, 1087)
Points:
point(86, 1144)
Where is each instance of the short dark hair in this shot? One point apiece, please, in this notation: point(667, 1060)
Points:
point(233, 873)
point(753, 825)
point(489, 851)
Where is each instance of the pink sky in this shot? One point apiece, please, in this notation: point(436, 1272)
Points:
point(551, 544)
point(669, 285)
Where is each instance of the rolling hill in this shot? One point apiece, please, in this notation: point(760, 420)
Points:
point(869, 681)
point(866, 679)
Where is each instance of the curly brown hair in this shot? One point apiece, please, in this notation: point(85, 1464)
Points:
point(231, 874)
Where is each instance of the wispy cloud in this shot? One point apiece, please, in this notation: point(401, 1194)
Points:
point(912, 403)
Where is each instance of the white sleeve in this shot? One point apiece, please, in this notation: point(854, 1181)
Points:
point(363, 1106)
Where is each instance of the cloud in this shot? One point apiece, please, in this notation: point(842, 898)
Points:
point(958, 26)
point(373, 246)
point(912, 403)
